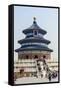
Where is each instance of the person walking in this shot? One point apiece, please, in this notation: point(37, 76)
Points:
point(44, 57)
point(49, 76)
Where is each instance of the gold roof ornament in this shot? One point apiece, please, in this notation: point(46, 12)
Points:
point(34, 18)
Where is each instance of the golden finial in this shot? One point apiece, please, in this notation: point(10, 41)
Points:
point(34, 18)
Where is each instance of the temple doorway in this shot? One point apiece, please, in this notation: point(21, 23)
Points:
point(35, 57)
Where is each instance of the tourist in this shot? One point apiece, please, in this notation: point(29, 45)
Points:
point(44, 57)
point(49, 76)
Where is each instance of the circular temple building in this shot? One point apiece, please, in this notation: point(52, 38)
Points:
point(33, 47)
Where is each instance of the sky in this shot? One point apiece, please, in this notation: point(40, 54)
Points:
point(47, 19)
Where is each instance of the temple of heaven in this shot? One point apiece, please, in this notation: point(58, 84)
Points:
point(33, 48)
point(34, 45)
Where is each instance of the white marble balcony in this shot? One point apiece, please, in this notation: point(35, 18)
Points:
point(25, 69)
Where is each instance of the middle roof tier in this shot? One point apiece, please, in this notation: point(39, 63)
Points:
point(33, 39)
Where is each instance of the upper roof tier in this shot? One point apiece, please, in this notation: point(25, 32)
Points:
point(34, 26)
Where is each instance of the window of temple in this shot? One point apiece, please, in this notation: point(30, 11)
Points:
point(44, 57)
point(21, 71)
point(35, 33)
point(27, 57)
point(35, 57)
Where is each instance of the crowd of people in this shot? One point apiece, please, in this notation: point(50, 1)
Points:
point(50, 74)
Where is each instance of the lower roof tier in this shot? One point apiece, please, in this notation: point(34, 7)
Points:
point(34, 39)
point(32, 48)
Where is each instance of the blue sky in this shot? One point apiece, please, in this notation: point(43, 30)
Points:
point(47, 19)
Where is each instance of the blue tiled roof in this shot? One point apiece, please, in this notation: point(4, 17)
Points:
point(30, 38)
point(34, 40)
point(32, 48)
point(33, 45)
point(34, 26)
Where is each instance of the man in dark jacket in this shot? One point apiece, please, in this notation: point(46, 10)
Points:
point(49, 76)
